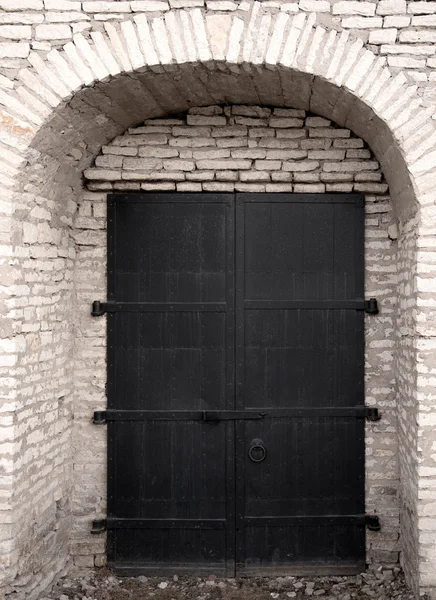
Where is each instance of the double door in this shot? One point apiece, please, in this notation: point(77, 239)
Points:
point(235, 383)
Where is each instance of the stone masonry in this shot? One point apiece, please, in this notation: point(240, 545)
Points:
point(75, 76)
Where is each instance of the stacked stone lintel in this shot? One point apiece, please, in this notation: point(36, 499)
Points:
point(238, 148)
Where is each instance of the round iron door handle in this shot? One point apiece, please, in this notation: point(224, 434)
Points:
point(257, 451)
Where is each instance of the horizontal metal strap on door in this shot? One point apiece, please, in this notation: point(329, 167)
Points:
point(101, 308)
point(274, 198)
point(114, 307)
point(175, 198)
point(304, 521)
point(283, 521)
point(306, 304)
point(230, 415)
point(113, 523)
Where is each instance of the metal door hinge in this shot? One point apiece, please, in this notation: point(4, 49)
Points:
point(372, 414)
point(373, 522)
point(100, 417)
point(98, 526)
point(371, 306)
point(98, 308)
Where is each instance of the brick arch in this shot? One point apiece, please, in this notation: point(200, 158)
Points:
point(281, 59)
point(64, 106)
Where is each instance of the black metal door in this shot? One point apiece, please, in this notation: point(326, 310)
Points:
point(235, 396)
point(299, 356)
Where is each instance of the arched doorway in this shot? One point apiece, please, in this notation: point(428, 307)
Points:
point(60, 137)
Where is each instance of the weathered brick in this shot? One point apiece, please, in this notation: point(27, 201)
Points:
point(216, 186)
point(123, 151)
point(148, 5)
point(339, 187)
point(413, 37)
point(329, 133)
point(279, 187)
point(283, 122)
point(348, 143)
point(309, 188)
point(214, 153)
point(422, 8)
point(138, 164)
point(391, 7)
point(317, 122)
point(362, 22)
point(255, 176)
point(306, 177)
point(18, 5)
point(251, 111)
point(14, 50)
point(16, 32)
point(350, 7)
point(257, 132)
point(231, 142)
point(268, 165)
point(109, 161)
point(194, 142)
point(236, 131)
point(383, 36)
point(320, 154)
point(204, 110)
point(285, 154)
point(281, 176)
point(224, 163)
point(397, 21)
point(192, 131)
point(227, 175)
point(371, 188)
point(162, 186)
point(200, 176)
point(350, 166)
point(53, 32)
point(250, 122)
point(336, 177)
point(102, 174)
point(156, 152)
point(206, 120)
point(249, 153)
point(405, 62)
point(102, 7)
point(178, 165)
point(306, 165)
point(315, 5)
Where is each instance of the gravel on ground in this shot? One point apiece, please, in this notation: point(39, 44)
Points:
point(102, 584)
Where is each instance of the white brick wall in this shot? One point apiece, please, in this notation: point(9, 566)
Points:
point(367, 66)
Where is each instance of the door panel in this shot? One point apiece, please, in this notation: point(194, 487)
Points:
point(296, 549)
point(299, 346)
point(169, 469)
point(310, 468)
point(170, 360)
point(304, 358)
point(170, 251)
point(235, 379)
point(298, 247)
point(170, 357)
